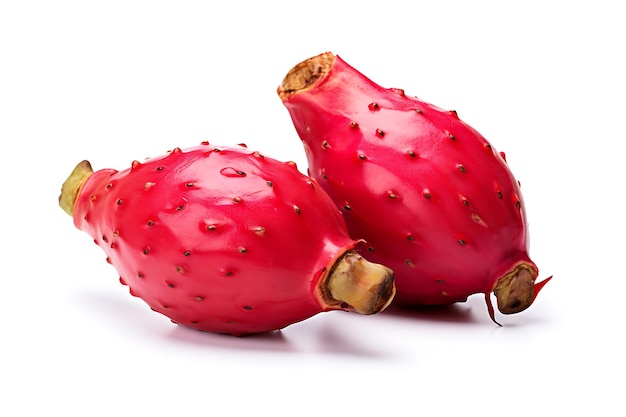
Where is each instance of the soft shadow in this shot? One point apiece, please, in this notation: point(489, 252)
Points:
point(127, 316)
point(337, 338)
point(307, 337)
point(269, 341)
point(132, 317)
point(471, 312)
point(453, 313)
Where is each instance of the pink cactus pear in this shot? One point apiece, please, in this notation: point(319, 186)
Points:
point(225, 240)
point(432, 198)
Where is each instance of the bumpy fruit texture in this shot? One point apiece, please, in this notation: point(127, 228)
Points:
point(225, 240)
point(432, 198)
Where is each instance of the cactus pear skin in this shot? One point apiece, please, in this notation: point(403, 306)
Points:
point(429, 194)
point(224, 239)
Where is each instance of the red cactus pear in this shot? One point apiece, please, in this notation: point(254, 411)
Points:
point(226, 240)
point(432, 198)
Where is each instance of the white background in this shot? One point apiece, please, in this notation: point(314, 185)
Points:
point(115, 81)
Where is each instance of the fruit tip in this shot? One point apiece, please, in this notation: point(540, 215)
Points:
point(516, 290)
point(72, 185)
point(305, 75)
point(359, 285)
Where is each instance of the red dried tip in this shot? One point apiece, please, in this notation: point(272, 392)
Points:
point(492, 313)
point(539, 285)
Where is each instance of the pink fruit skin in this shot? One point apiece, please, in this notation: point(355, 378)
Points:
point(220, 239)
point(432, 198)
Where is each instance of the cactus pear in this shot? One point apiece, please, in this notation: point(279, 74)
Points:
point(225, 240)
point(431, 196)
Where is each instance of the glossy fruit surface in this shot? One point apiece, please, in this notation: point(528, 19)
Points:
point(431, 196)
point(225, 239)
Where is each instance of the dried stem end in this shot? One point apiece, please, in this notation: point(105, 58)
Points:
point(305, 74)
point(358, 285)
point(515, 291)
point(72, 185)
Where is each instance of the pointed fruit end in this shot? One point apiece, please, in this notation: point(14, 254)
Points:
point(72, 185)
point(359, 285)
point(304, 75)
point(517, 290)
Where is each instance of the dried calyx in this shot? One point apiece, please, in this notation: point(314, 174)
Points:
point(72, 185)
point(359, 285)
point(305, 74)
point(516, 290)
